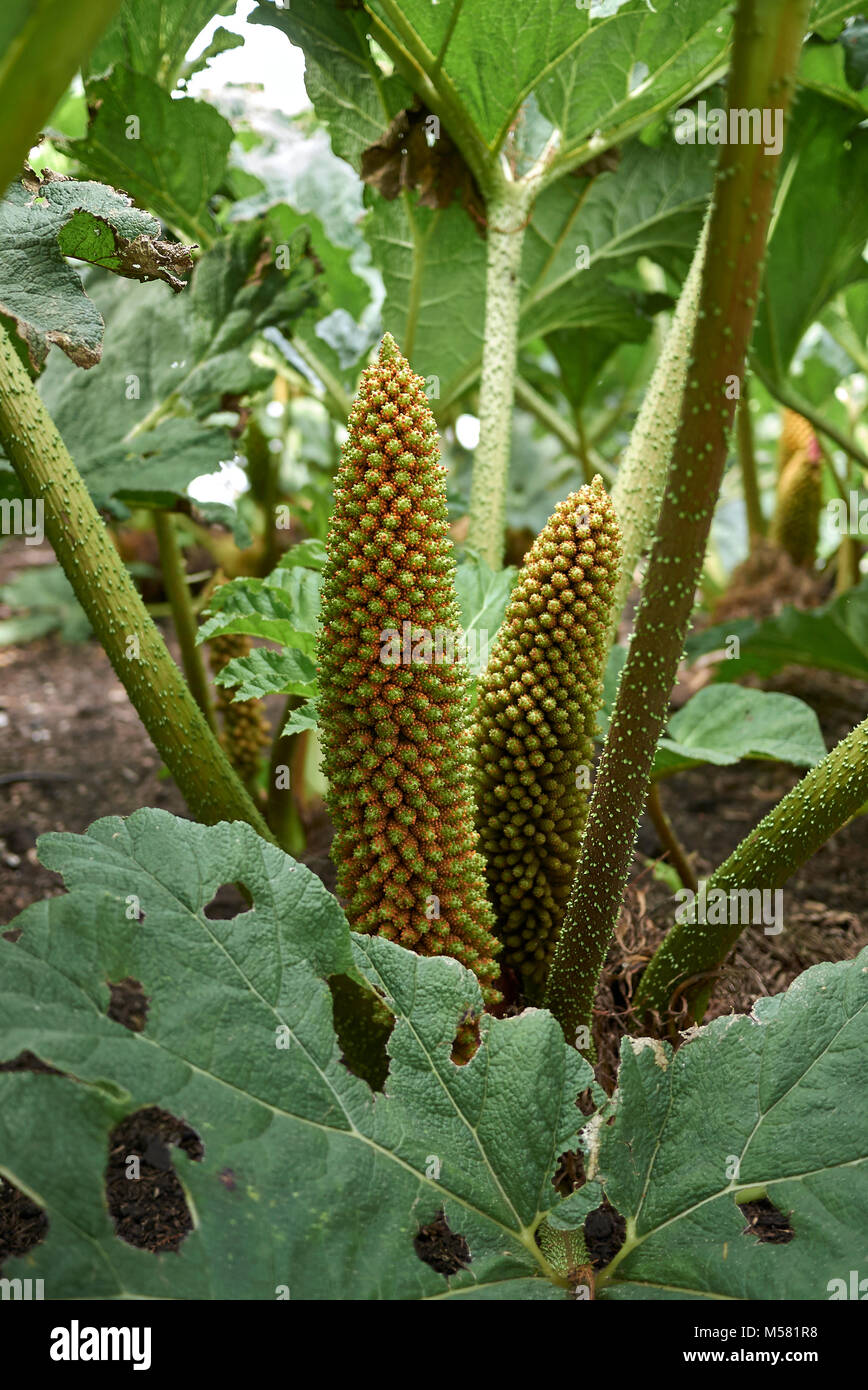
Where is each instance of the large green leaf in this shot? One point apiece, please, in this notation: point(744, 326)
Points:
point(651, 205)
point(153, 36)
point(433, 261)
point(283, 607)
point(725, 723)
point(833, 638)
point(169, 154)
point(156, 467)
point(633, 62)
point(598, 74)
point(818, 236)
point(165, 356)
point(265, 672)
point(44, 221)
point(308, 1180)
point(751, 1106)
point(433, 267)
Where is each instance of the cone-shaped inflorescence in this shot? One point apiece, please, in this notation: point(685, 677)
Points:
point(796, 526)
point(535, 723)
point(394, 702)
point(796, 433)
point(246, 731)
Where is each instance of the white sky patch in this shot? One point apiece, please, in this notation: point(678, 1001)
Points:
point(467, 431)
point(267, 58)
point(226, 486)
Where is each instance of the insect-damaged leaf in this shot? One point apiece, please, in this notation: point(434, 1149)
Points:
point(752, 1107)
point(239, 1042)
point(44, 220)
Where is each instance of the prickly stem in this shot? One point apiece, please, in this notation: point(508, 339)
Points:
point(796, 828)
point(768, 37)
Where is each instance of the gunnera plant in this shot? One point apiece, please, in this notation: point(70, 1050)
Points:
point(535, 724)
point(394, 705)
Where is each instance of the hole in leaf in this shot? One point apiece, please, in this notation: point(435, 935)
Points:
point(144, 1195)
point(128, 1004)
point(466, 1040)
point(605, 1233)
point(229, 900)
point(766, 1222)
point(23, 1224)
point(363, 1025)
point(28, 1061)
point(441, 1248)
point(570, 1172)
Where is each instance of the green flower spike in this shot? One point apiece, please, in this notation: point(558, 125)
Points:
point(535, 724)
point(395, 720)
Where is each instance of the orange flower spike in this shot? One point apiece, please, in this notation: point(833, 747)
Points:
point(394, 723)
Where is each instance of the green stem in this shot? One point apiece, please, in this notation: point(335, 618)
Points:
point(183, 617)
point(507, 216)
point(786, 396)
point(115, 609)
point(584, 452)
point(796, 828)
point(282, 810)
point(554, 422)
point(531, 400)
point(669, 840)
point(768, 38)
point(40, 60)
point(756, 524)
point(608, 420)
point(641, 476)
point(336, 399)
